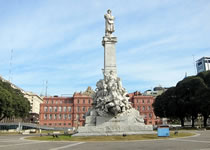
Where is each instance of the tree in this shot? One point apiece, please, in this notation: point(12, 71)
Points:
point(205, 105)
point(168, 105)
point(6, 109)
point(12, 102)
point(205, 97)
point(190, 97)
point(188, 89)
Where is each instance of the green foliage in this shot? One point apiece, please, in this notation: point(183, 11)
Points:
point(12, 102)
point(190, 97)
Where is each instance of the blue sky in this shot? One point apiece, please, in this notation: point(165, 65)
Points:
point(60, 41)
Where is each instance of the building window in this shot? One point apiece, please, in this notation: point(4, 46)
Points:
point(148, 101)
point(45, 109)
point(60, 116)
point(89, 101)
point(61, 101)
point(149, 108)
point(69, 116)
point(200, 63)
point(59, 124)
point(52, 101)
point(143, 101)
point(50, 124)
point(64, 124)
point(143, 108)
point(65, 116)
point(59, 108)
point(50, 109)
point(45, 124)
point(78, 109)
point(45, 116)
point(55, 109)
point(150, 115)
point(83, 109)
point(64, 109)
point(77, 116)
point(69, 109)
point(69, 124)
point(138, 108)
point(47, 101)
point(50, 116)
point(55, 117)
point(56, 102)
point(83, 101)
point(78, 101)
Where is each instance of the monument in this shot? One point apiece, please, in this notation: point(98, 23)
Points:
point(111, 112)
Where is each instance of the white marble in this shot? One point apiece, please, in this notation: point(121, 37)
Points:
point(112, 113)
point(109, 23)
point(109, 54)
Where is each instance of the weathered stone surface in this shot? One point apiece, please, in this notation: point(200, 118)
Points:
point(110, 97)
point(109, 54)
point(109, 23)
point(112, 113)
point(129, 122)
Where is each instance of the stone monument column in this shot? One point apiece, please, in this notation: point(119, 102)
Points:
point(109, 54)
point(109, 45)
point(111, 112)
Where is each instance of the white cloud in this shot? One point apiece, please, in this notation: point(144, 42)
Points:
point(60, 41)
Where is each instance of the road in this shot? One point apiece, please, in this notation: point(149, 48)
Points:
point(198, 142)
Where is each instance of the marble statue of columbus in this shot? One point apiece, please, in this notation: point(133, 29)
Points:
point(109, 23)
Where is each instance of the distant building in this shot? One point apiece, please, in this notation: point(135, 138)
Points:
point(65, 111)
point(143, 104)
point(34, 100)
point(156, 91)
point(203, 64)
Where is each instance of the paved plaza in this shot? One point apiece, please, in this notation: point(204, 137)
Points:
point(199, 142)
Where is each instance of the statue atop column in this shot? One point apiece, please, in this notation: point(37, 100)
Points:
point(109, 23)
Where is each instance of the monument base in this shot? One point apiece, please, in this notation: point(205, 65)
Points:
point(128, 123)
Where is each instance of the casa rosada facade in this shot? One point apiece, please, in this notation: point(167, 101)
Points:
point(70, 111)
point(143, 104)
point(64, 111)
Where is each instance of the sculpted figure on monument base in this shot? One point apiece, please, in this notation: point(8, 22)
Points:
point(110, 97)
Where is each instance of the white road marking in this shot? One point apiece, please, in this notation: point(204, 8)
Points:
point(14, 141)
point(70, 145)
point(195, 141)
point(8, 140)
point(21, 144)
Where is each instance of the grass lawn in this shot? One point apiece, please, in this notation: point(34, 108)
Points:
point(8, 133)
point(109, 138)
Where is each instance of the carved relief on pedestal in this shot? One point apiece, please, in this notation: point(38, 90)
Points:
point(110, 97)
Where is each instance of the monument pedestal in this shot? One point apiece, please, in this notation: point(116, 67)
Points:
point(128, 123)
